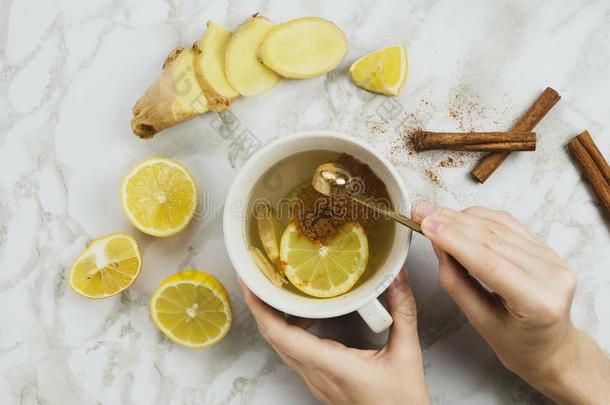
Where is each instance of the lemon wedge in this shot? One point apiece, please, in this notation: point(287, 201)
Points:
point(107, 266)
point(192, 308)
point(383, 71)
point(324, 270)
point(159, 196)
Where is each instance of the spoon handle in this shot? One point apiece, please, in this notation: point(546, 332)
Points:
point(406, 221)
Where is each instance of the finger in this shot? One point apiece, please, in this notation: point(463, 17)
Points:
point(303, 323)
point(502, 224)
point(303, 372)
point(499, 231)
point(403, 339)
point(289, 339)
point(494, 233)
point(422, 210)
point(477, 304)
point(533, 258)
point(495, 221)
point(425, 209)
point(505, 219)
point(292, 363)
point(480, 261)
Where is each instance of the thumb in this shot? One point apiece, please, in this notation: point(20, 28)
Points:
point(403, 337)
point(476, 303)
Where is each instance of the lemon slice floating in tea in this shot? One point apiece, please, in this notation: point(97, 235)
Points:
point(107, 266)
point(325, 270)
point(159, 196)
point(192, 308)
point(383, 71)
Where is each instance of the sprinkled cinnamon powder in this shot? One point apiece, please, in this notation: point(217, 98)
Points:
point(319, 217)
point(432, 176)
point(465, 109)
point(376, 127)
point(450, 162)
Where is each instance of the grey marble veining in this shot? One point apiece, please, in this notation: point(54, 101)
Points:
point(71, 71)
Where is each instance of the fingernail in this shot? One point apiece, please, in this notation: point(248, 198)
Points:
point(425, 209)
point(431, 225)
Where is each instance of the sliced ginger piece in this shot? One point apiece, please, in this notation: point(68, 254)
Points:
point(269, 231)
point(173, 98)
point(244, 71)
point(303, 48)
point(210, 67)
point(270, 270)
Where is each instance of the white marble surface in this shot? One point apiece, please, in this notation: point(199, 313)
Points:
point(72, 69)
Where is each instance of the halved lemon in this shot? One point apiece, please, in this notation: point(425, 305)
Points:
point(325, 270)
point(106, 267)
point(192, 308)
point(159, 196)
point(383, 71)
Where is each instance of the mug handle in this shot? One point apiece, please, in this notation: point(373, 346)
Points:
point(375, 316)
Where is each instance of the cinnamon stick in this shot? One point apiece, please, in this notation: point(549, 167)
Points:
point(474, 141)
point(587, 142)
point(594, 166)
point(528, 121)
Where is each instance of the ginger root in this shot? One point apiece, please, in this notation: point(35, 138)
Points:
point(173, 98)
point(270, 270)
point(211, 74)
point(244, 71)
point(269, 231)
point(210, 67)
point(303, 48)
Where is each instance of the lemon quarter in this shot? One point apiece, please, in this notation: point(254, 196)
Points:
point(325, 270)
point(159, 196)
point(192, 308)
point(383, 71)
point(107, 266)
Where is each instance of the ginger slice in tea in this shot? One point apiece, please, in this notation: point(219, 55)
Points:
point(269, 269)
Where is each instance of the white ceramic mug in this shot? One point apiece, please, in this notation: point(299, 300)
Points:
point(363, 297)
